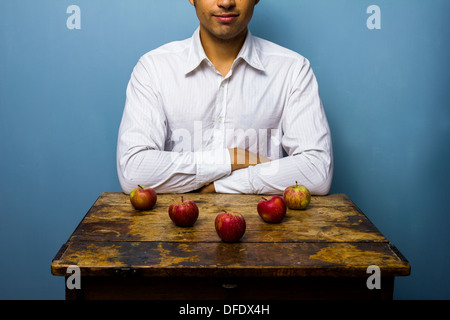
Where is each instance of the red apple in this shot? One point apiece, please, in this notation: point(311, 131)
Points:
point(184, 213)
point(143, 198)
point(230, 226)
point(271, 209)
point(297, 197)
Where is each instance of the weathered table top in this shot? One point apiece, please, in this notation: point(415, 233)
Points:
point(332, 237)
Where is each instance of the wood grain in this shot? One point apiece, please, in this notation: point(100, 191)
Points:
point(332, 237)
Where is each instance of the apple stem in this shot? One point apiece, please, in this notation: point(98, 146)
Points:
point(140, 186)
point(296, 184)
point(181, 198)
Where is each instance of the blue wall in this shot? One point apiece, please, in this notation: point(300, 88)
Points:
point(62, 93)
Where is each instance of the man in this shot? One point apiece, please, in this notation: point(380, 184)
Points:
point(224, 111)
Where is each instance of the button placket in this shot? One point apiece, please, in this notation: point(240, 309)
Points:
point(219, 121)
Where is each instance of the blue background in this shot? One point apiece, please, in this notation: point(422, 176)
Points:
point(62, 94)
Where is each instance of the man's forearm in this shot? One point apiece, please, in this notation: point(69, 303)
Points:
point(171, 172)
point(315, 172)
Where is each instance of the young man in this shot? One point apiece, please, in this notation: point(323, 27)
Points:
point(224, 111)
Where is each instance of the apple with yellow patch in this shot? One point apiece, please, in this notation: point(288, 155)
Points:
point(143, 198)
point(297, 197)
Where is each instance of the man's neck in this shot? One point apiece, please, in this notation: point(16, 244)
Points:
point(221, 52)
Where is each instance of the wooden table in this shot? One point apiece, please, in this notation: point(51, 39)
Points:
point(322, 252)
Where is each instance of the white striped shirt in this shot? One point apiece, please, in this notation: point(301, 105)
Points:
point(181, 115)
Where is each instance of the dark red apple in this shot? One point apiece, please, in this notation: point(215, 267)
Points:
point(230, 226)
point(271, 209)
point(297, 197)
point(184, 213)
point(143, 198)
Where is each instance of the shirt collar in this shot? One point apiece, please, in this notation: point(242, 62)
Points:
point(248, 53)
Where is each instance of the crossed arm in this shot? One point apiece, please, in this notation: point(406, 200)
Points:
point(142, 158)
point(240, 159)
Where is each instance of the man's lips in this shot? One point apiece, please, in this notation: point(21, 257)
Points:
point(226, 18)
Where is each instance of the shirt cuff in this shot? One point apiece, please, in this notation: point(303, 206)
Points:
point(237, 182)
point(212, 165)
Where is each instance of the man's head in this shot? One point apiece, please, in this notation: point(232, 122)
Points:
point(224, 19)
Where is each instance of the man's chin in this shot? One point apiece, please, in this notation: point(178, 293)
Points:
point(228, 34)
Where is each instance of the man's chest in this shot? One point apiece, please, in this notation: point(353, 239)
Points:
point(223, 104)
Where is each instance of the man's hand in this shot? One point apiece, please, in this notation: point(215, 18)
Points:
point(209, 188)
point(241, 159)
